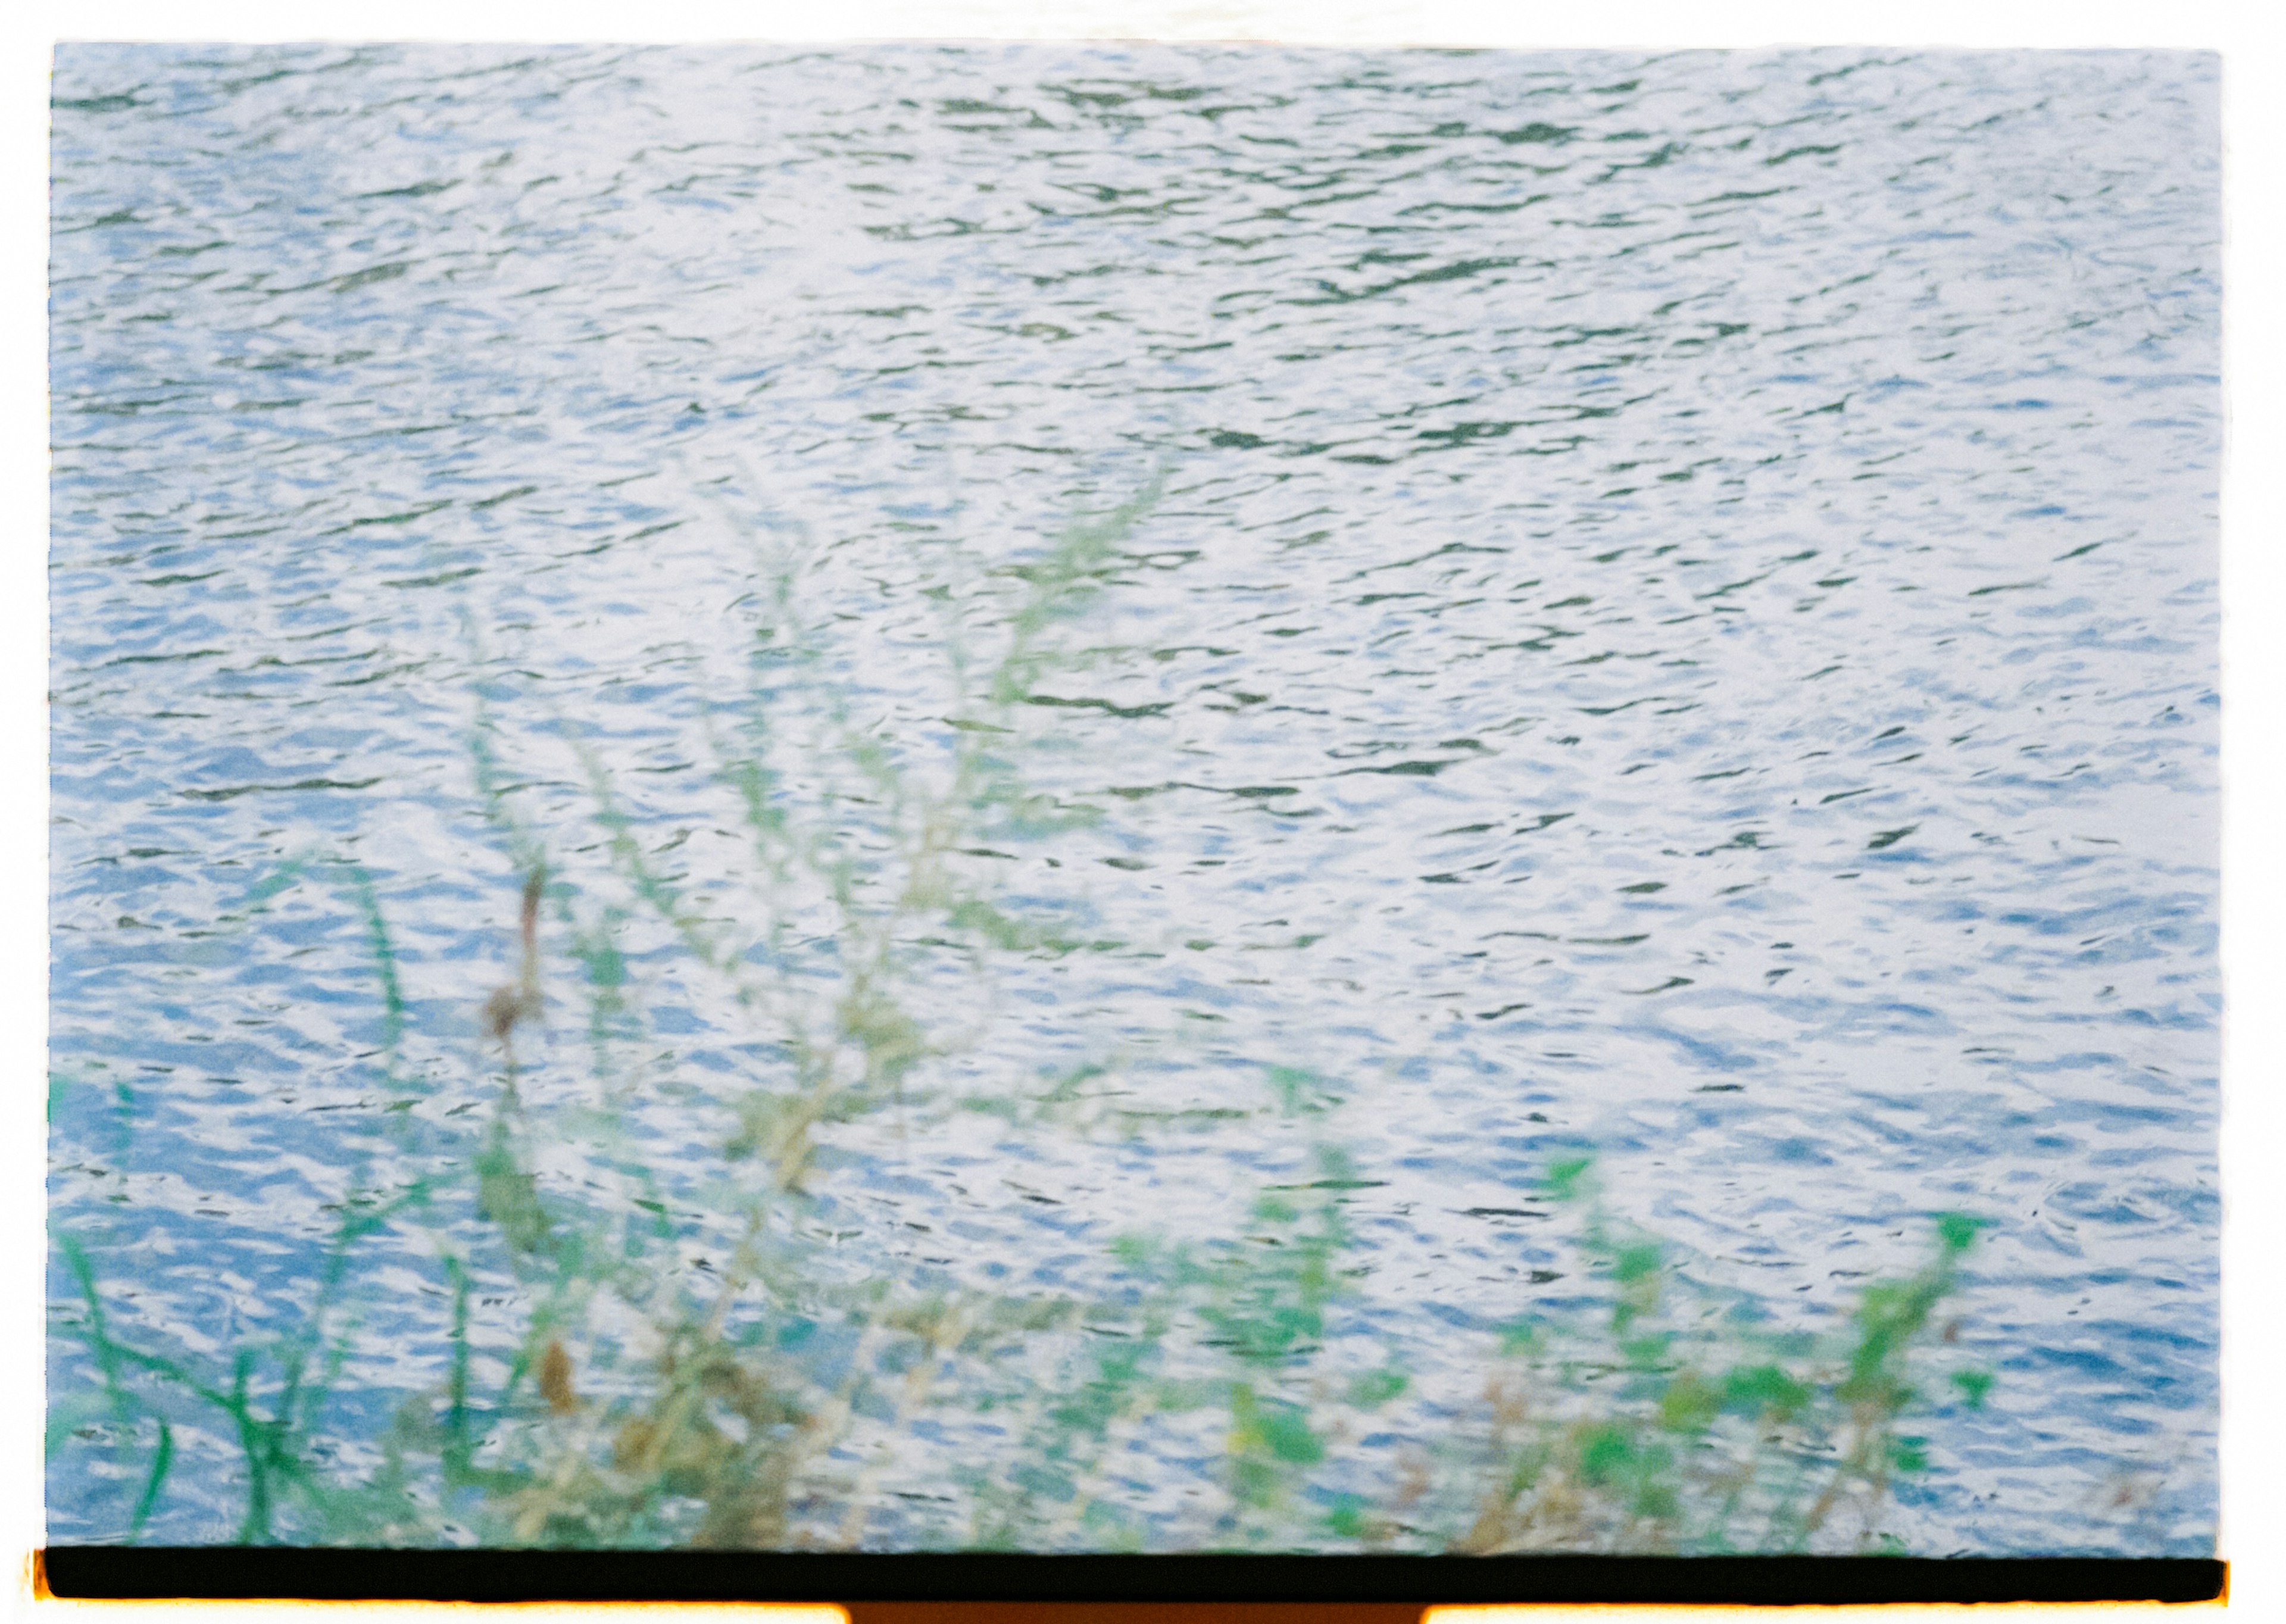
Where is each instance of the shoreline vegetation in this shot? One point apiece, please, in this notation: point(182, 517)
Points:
point(631, 1344)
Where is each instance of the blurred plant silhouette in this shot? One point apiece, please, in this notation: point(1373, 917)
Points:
point(647, 1343)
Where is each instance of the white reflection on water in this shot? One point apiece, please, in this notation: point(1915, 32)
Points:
point(1678, 616)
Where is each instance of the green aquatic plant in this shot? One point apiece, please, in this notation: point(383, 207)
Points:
point(273, 1396)
point(1266, 1305)
point(726, 1410)
point(276, 1430)
point(1681, 1427)
point(662, 1325)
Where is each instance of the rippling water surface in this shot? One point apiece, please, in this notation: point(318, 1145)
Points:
point(1670, 606)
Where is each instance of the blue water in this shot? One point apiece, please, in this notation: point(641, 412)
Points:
point(1675, 611)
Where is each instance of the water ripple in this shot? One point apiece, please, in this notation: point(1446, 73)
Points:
point(1682, 615)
